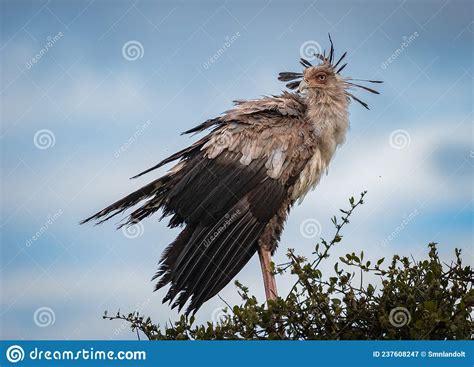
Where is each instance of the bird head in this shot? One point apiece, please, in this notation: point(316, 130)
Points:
point(319, 78)
point(325, 77)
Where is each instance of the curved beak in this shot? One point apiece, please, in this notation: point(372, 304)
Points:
point(303, 86)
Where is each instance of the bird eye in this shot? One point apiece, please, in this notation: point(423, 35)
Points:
point(322, 77)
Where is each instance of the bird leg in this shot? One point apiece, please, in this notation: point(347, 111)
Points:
point(268, 276)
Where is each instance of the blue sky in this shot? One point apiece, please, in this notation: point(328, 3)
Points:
point(86, 115)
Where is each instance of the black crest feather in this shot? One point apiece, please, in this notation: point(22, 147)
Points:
point(295, 79)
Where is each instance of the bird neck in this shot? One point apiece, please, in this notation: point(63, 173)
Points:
point(327, 115)
point(327, 112)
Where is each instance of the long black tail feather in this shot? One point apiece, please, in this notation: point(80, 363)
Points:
point(156, 189)
point(204, 259)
